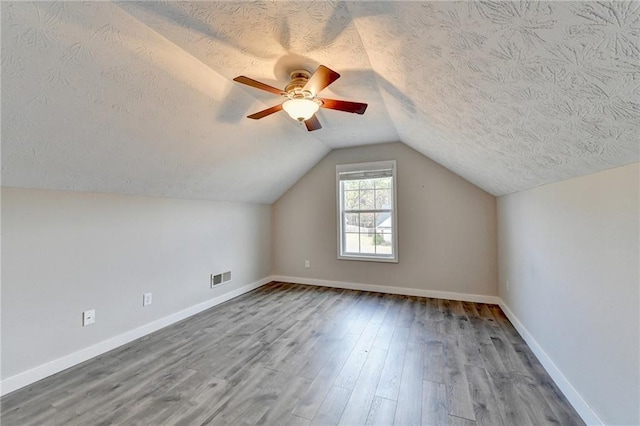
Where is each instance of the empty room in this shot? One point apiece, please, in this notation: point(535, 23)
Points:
point(320, 213)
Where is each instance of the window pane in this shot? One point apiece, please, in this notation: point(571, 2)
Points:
point(383, 240)
point(351, 222)
point(383, 199)
point(385, 243)
point(382, 183)
point(384, 222)
point(350, 184)
point(367, 222)
point(351, 243)
point(367, 199)
point(351, 200)
point(366, 183)
point(367, 244)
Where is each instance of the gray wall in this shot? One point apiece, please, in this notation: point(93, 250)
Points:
point(446, 227)
point(570, 253)
point(66, 252)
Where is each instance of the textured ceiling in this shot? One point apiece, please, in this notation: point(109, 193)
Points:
point(137, 97)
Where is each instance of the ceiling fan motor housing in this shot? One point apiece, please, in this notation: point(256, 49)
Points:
point(295, 89)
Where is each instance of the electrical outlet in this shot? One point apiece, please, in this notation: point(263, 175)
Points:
point(88, 317)
point(226, 276)
point(307, 264)
point(146, 299)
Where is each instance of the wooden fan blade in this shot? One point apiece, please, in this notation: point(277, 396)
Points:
point(354, 107)
point(321, 79)
point(313, 124)
point(254, 83)
point(261, 114)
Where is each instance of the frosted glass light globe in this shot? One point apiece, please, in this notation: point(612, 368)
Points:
point(300, 109)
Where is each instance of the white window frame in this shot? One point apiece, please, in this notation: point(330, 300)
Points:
point(358, 167)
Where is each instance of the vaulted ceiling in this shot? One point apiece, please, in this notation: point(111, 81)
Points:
point(138, 98)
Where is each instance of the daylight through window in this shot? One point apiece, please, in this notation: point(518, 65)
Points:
point(366, 216)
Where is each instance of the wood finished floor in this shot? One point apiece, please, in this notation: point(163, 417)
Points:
point(299, 355)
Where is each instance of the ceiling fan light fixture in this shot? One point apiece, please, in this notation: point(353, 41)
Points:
point(301, 109)
point(301, 96)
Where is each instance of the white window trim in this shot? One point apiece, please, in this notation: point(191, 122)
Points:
point(376, 165)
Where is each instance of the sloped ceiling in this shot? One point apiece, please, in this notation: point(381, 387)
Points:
point(138, 97)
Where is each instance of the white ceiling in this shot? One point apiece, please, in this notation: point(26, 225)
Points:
point(138, 98)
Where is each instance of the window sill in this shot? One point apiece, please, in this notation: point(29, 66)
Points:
point(369, 258)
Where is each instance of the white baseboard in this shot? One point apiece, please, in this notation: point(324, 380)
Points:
point(572, 395)
point(463, 297)
point(45, 370)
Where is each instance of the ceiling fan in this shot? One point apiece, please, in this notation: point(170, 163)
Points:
point(301, 94)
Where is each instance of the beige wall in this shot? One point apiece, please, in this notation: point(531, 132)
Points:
point(66, 252)
point(570, 253)
point(446, 227)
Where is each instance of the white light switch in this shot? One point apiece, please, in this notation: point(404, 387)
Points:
point(88, 317)
point(307, 264)
point(146, 299)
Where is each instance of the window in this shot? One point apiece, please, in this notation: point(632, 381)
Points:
point(367, 223)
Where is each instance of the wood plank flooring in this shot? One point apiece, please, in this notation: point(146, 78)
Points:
point(288, 354)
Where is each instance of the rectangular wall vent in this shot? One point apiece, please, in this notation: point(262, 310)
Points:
point(216, 279)
point(226, 276)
